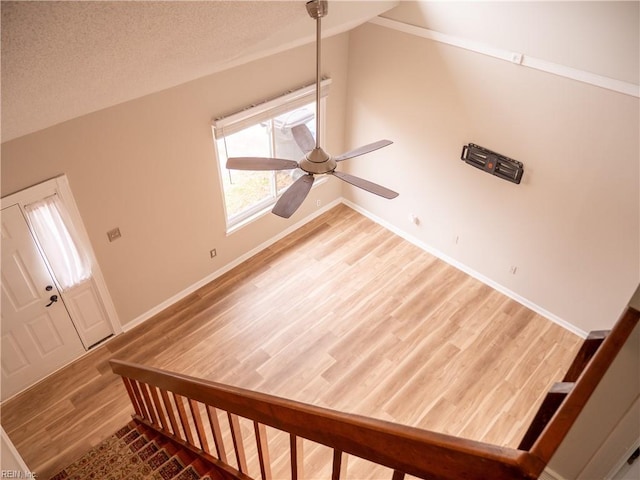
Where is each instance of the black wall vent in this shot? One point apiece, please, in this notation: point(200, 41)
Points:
point(493, 163)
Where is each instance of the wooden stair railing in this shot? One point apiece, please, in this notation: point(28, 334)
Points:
point(174, 404)
point(585, 379)
point(559, 391)
point(186, 410)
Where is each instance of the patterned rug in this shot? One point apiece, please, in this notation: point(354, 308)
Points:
point(135, 454)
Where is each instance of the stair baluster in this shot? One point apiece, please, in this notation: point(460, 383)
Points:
point(214, 422)
point(263, 450)
point(238, 444)
point(404, 450)
point(339, 464)
point(297, 457)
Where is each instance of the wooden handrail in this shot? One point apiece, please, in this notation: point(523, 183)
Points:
point(588, 349)
point(403, 449)
point(159, 397)
point(552, 401)
point(567, 413)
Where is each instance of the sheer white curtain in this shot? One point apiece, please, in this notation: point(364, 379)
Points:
point(69, 265)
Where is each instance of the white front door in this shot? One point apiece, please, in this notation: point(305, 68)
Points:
point(38, 336)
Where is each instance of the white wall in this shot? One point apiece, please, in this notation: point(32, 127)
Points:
point(629, 472)
point(571, 228)
point(148, 167)
point(600, 37)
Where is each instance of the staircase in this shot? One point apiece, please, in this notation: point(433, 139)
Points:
point(187, 428)
point(139, 452)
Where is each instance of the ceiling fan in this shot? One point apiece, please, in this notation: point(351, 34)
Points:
point(316, 161)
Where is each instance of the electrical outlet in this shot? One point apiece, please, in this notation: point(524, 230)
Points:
point(318, 203)
point(213, 253)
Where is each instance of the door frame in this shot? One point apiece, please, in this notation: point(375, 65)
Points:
point(60, 185)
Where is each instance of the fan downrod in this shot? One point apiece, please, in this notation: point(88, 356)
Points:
point(316, 161)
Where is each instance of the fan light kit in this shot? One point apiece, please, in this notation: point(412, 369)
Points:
point(492, 162)
point(316, 161)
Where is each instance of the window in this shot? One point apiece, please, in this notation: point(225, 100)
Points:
point(262, 131)
point(70, 267)
point(248, 192)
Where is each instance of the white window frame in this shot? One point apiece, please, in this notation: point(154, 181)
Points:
point(253, 115)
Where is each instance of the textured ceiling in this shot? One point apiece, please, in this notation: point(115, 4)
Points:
point(64, 59)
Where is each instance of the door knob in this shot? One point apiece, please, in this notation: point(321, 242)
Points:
point(53, 298)
point(48, 288)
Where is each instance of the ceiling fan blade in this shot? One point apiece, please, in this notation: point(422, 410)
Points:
point(260, 163)
point(362, 150)
point(293, 197)
point(303, 137)
point(366, 185)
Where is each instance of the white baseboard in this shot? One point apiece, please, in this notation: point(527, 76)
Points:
point(427, 248)
point(469, 271)
point(224, 269)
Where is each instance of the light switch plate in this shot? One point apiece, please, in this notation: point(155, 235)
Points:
point(114, 234)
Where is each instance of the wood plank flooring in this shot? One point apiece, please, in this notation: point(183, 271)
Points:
point(342, 314)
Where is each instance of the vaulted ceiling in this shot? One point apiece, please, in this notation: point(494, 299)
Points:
point(61, 59)
point(64, 59)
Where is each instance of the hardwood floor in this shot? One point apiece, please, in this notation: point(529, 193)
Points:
point(342, 314)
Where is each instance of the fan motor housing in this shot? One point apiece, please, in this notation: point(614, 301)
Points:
point(317, 161)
